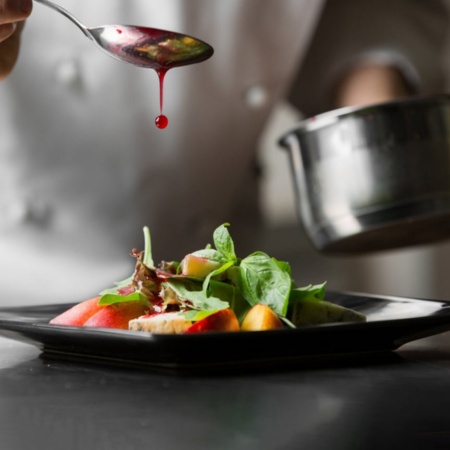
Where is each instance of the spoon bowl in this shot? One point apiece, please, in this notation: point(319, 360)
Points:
point(142, 46)
point(150, 47)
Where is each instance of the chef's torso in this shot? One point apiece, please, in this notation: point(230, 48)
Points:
point(83, 167)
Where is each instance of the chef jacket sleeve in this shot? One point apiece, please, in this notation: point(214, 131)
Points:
point(410, 35)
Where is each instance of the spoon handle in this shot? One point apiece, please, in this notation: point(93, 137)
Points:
point(66, 14)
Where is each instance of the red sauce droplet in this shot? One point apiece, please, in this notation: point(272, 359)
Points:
point(119, 31)
point(162, 121)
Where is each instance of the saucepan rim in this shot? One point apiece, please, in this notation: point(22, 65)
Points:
point(328, 118)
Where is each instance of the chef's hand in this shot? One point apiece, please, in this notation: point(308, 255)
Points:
point(370, 84)
point(12, 16)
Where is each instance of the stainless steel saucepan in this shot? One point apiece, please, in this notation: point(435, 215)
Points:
point(373, 178)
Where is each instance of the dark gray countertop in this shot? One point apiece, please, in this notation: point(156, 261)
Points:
point(396, 400)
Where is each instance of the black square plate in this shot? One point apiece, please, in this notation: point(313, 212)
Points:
point(391, 322)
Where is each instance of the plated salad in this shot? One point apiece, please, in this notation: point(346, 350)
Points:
point(211, 289)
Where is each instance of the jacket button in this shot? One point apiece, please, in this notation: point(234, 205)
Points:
point(22, 211)
point(13, 213)
point(256, 96)
point(67, 73)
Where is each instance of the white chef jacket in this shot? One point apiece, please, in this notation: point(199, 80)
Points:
point(83, 167)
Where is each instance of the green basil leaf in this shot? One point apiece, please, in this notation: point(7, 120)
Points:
point(223, 242)
point(231, 295)
point(287, 322)
point(191, 291)
point(312, 292)
point(111, 299)
point(284, 266)
point(263, 280)
point(211, 254)
point(194, 315)
point(214, 273)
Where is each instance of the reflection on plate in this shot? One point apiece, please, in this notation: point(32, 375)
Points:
point(392, 322)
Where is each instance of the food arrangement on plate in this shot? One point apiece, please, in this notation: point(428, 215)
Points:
point(208, 290)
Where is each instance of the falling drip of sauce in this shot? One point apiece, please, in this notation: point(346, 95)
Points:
point(159, 50)
point(161, 121)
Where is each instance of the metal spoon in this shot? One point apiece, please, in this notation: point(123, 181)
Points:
point(144, 47)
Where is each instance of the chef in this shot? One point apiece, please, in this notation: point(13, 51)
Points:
point(83, 167)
